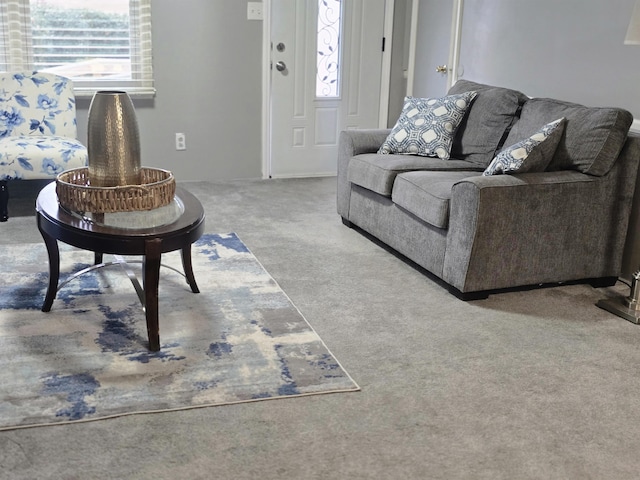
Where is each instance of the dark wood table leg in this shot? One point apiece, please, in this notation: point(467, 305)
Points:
point(54, 269)
point(98, 256)
point(4, 201)
point(151, 279)
point(188, 268)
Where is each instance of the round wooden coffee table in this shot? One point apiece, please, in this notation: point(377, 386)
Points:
point(149, 234)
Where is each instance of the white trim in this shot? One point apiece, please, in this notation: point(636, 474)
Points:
point(266, 89)
point(635, 126)
point(413, 38)
point(385, 74)
point(454, 46)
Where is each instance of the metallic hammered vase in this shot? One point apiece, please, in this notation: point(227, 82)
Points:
point(113, 141)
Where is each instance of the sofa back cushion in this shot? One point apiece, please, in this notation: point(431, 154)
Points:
point(483, 130)
point(592, 140)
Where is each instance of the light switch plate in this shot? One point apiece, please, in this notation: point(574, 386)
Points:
point(254, 11)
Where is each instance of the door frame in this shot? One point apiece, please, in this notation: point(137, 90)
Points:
point(266, 88)
point(452, 74)
point(454, 42)
point(385, 74)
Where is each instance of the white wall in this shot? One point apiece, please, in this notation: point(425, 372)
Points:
point(208, 66)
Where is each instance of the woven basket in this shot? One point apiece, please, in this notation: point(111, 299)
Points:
point(157, 189)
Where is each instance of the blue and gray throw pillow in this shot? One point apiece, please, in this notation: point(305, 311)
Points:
point(532, 154)
point(427, 125)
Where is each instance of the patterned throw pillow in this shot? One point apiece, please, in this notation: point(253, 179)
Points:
point(427, 125)
point(532, 154)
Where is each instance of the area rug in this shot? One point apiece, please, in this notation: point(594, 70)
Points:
point(240, 340)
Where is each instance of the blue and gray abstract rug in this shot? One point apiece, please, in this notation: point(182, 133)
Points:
point(241, 339)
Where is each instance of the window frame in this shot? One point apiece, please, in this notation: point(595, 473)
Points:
point(16, 52)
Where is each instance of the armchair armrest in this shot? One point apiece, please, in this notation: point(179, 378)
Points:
point(351, 143)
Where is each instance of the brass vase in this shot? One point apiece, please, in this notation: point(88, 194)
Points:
point(113, 140)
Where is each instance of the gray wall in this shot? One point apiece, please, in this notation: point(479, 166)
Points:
point(208, 71)
point(207, 65)
point(567, 49)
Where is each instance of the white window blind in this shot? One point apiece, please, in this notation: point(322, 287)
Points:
point(99, 45)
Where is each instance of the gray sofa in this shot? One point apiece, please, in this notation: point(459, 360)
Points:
point(480, 234)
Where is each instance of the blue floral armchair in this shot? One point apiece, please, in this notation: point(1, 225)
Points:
point(37, 129)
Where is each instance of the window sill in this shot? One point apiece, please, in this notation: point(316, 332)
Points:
point(140, 92)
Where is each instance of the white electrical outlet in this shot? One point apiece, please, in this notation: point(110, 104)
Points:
point(181, 141)
point(254, 11)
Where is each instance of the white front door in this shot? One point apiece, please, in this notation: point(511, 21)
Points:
point(303, 124)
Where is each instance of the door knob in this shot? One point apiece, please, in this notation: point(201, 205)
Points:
point(441, 69)
point(281, 66)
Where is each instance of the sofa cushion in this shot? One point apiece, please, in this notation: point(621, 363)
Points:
point(592, 140)
point(485, 127)
point(377, 172)
point(427, 194)
point(427, 125)
point(532, 154)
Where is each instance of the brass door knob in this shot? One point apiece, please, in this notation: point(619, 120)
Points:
point(441, 69)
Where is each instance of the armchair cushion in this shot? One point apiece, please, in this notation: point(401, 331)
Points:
point(27, 157)
point(37, 126)
point(36, 104)
point(37, 129)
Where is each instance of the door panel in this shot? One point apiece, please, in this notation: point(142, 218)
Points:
point(363, 63)
point(304, 129)
point(432, 48)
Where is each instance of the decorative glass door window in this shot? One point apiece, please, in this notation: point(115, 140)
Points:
point(328, 48)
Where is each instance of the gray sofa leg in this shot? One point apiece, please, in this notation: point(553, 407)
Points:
point(4, 201)
point(468, 296)
point(603, 282)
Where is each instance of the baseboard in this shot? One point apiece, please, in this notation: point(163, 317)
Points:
point(635, 126)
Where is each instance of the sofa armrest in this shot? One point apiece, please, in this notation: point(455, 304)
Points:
point(351, 143)
point(510, 230)
point(531, 179)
